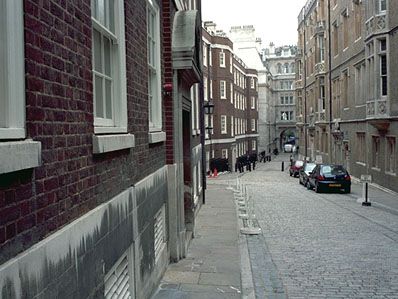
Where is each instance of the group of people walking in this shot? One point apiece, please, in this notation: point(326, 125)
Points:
point(246, 161)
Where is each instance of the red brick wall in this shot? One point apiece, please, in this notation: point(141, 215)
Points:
point(59, 114)
point(167, 16)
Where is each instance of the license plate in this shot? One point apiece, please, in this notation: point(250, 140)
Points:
point(334, 185)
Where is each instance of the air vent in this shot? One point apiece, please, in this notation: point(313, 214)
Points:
point(159, 232)
point(117, 281)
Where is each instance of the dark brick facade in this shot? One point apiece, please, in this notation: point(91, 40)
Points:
point(59, 114)
point(231, 141)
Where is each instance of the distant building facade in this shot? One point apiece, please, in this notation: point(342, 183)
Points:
point(346, 86)
point(280, 63)
point(233, 89)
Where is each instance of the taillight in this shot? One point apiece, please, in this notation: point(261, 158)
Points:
point(320, 178)
point(347, 177)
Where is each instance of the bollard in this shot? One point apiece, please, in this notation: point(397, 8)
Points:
point(366, 203)
point(283, 165)
point(250, 228)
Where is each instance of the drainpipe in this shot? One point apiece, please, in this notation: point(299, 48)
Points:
point(330, 84)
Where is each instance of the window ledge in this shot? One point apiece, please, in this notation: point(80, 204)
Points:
point(18, 155)
point(110, 143)
point(361, 163)
point(156, 137)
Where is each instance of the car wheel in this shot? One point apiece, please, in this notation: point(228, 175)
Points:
point(317, 188)
point(300, 181)
point(347, 190)
point(290, 173)
point(308, 185)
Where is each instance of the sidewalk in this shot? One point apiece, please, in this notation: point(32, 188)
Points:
point(212, 268)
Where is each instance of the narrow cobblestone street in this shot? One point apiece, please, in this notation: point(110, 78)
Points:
point(318, 245)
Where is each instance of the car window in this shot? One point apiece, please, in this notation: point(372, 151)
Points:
point(333, 169)
point(310, 167)
point(299, 163)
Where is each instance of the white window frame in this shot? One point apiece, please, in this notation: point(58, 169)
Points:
point(204, 54)
point(223, 124)
point(118, 123)
point(253, 124)
point(222, 59)
point(205, 89)
point(223, 92)
point(211, 88)
point(252, 83)
point(12, 71)
point(232, 92)
point(232, 126)
point(154, 70)
point(253, 102)
point(379, 6)
point(224, 153)
point(254, 145)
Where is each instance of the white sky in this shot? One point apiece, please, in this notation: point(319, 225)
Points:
point(274, 20)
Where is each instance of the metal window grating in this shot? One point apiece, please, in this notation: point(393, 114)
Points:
point(117, 281)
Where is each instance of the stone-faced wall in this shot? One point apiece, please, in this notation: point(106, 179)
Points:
point(73, 262)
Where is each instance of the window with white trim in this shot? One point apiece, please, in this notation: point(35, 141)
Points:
point(253, 102)
point(253, 124)
point(109, 66)
point(211, 89)
point(222, 59)
point(154, 67)
point(252, 82)
point(254, 145)
point(381, 6)
point(232, 126)
point(223, 124)
point(361, 147)
point(205, 91)
point(224, 153)
point(204, 54)
point(12, 71)
point(232, 93)
point(222, 89)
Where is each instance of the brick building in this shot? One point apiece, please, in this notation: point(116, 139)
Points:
point(233, 88)
point(346, 86)
point(97, 191)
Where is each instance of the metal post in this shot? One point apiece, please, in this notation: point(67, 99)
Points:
point(366, 203)
point(283, 165)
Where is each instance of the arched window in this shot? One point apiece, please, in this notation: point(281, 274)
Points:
point(292, 67)
point(279, 68)
point(286, 68)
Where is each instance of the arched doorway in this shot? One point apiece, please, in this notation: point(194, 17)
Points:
point(287, 136)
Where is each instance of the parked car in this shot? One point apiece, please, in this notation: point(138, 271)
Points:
point(295, 167)
point(287, 148)
point(305, 172)
point(329, 177)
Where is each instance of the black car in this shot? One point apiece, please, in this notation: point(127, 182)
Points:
point(329, 177)
point(305, 172)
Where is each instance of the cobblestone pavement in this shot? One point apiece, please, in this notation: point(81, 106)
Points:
point(318, 245)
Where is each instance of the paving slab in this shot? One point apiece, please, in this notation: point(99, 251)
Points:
point(212, 267)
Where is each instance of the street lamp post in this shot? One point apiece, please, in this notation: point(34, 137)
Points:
point(209, 109)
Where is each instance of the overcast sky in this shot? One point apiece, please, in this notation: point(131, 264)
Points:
point(274, 20)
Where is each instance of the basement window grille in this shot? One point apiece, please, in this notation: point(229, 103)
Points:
point(117, 281)
point(159, 232)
